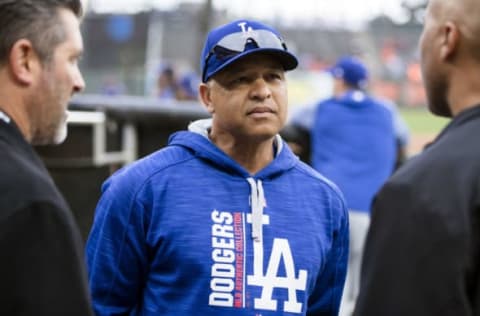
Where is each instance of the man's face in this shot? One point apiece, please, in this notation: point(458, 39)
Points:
point(434, 75)
point(248, 100)
point(59, 79)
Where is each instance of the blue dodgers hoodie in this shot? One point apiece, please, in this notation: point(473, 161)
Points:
point(354, 146)
point(187, 231)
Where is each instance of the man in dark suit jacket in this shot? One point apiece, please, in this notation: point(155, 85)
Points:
point(42, 269)
point(422, 255)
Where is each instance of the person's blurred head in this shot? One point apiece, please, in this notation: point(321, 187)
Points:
point(349, 73)
point(166, 75)
point(243, 67)
point(450, 55)
point(167, 84)
point(188, 86)
point(40, 44)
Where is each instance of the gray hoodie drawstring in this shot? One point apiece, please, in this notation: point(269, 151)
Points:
point(258, 203)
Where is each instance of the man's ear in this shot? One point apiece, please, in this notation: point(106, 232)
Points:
point(23, 62)
point(206, 97)
point(450, 40)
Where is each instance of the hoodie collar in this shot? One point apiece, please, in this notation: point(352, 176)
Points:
point(354, 97)
point(202, 127)
point(197, 140)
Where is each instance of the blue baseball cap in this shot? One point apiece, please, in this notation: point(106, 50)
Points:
point(351, 70)
point(230, 42)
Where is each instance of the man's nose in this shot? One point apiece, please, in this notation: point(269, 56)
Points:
point(79, 82)
point(261, 89)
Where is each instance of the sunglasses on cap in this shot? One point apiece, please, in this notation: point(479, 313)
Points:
point(236, 43)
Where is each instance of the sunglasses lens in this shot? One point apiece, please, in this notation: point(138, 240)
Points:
point(261, 38)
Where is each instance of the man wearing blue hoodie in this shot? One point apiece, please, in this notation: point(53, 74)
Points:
point(354, 143)
point(225, 220)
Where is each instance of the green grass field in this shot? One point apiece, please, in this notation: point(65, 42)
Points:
point(423, 126)
point(421, 121)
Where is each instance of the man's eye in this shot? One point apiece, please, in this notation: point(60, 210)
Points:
point(240, 80)
point(75, 59)
point(274, 76)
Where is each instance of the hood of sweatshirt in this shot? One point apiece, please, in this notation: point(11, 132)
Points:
point(196, 140)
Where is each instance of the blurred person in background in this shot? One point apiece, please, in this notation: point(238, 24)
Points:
point(171, 86)
point(42, 267)
point(112, 86)
point(188, 87)
point(422, 251)
point(167, 83)
point(225, 220)
point(299, 127)
point(353, 140)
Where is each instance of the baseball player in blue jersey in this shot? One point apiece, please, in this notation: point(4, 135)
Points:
point(354, 139)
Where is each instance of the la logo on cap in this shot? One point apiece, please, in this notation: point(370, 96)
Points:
point(247, 32)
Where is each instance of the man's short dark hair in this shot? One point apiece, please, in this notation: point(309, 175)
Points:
point(35, 20)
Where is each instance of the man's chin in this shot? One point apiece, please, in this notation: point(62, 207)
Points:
point(56, 137)
point(60, 135)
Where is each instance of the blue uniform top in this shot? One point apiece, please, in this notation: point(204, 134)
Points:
point(187, 231)
point(354, 145)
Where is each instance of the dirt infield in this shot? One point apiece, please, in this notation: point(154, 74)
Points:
point(418, 141)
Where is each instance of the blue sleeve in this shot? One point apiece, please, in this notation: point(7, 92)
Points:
point(116, 250)
point(325, 299)
point(402, 133)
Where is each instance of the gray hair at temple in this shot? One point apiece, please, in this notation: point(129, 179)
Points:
point(35, 20)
